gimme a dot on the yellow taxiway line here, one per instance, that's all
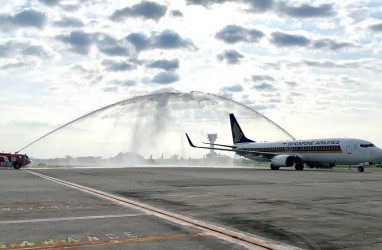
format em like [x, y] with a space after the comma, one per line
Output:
[115, 242]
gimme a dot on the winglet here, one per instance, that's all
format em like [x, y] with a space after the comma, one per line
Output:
[189, 141]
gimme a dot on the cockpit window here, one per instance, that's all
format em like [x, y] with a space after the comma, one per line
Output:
[367, 145]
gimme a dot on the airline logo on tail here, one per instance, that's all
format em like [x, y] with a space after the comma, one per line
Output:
[237, 133]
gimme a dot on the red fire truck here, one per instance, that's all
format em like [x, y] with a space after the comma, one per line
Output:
[14, 160]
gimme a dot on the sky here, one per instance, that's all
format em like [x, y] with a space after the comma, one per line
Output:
[313, 67]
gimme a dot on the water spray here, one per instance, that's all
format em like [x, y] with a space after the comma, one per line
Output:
[83, 117]
[148, 117]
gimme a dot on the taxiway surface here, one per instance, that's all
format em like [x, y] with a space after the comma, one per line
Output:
[313, 209]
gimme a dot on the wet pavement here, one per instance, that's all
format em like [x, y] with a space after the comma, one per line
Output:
[311, 209]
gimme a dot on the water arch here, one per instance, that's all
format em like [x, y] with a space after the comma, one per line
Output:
[154, 125]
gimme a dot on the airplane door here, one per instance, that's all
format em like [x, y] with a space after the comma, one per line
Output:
[349, 148]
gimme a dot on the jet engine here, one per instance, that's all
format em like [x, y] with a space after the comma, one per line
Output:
[283, 161]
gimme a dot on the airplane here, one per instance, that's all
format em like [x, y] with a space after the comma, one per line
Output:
[319, 153]
[14, 160]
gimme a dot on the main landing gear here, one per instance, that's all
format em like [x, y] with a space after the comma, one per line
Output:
[361, 169]
[299, 166]
[274, 168]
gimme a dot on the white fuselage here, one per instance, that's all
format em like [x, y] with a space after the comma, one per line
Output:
[318, 151]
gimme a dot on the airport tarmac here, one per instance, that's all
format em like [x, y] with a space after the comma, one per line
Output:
[311, 209]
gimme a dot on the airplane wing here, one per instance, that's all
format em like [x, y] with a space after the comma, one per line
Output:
[239, 151]
[220, 145]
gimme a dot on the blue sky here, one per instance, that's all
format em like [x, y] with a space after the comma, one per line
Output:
[314, 67]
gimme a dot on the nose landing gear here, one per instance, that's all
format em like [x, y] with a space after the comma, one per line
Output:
[361, 169]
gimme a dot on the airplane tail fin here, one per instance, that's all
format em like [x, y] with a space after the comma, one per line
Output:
[237, 134]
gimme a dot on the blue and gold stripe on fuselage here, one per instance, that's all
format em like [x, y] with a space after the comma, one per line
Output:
[295, 150]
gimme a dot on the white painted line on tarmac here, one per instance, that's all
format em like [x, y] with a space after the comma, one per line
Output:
[69, 218]
[237, 237]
